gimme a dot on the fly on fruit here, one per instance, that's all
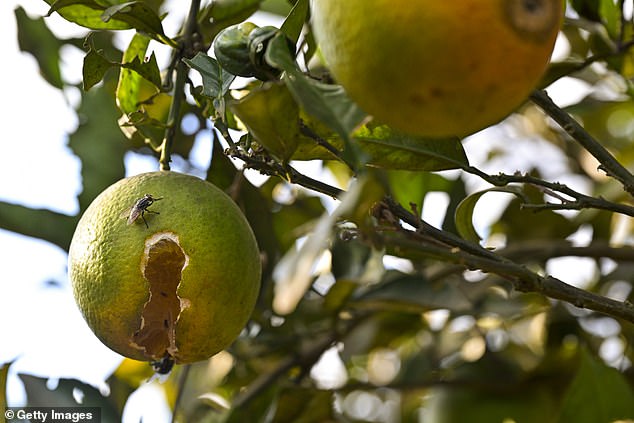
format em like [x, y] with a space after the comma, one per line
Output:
[140, 207]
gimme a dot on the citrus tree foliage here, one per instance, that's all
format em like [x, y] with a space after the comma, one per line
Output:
[462, 328]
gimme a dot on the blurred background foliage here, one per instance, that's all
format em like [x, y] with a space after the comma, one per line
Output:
[355, 321]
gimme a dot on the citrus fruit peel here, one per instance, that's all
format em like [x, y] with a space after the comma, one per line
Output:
[437, 68]
[181, 288]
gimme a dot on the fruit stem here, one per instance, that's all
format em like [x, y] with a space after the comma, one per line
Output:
[173, 118]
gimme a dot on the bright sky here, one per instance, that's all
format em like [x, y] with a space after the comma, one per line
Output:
[40, 325]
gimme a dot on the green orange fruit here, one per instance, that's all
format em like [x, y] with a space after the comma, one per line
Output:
[437, 68]
[177, 277]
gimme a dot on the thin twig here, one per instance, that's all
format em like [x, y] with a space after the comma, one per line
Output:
[580, 201]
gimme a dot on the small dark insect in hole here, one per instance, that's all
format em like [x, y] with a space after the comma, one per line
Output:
[164, 365]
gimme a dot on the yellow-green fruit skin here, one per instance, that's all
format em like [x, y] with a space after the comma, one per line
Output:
[437, 68]
[219, 284]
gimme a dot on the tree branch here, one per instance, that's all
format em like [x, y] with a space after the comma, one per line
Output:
[173, 118]
[424, 241]
[609, 164]
[579, 201]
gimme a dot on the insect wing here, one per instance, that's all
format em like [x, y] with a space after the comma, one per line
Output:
[130, 214]
[135, 212]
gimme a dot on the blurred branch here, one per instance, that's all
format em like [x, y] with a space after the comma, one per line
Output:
[428, 241]
[50, 226]
[609, 163]
[541, 250]
[180, 391]
[185, 49]
[306, 357]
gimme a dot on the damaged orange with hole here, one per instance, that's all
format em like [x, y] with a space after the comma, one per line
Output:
[180, 283]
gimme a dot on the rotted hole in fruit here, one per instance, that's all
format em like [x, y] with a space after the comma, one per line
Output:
[162, 265]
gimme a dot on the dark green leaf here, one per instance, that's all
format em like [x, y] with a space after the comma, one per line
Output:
[272, 117]
[589, 9]
[414, 295]
[598, 393]
[257, 408]
[133, 89]
[39, 395]
[328, 103]
[349, 258]
[98, 140]
[408, 187]
[220, 14]
[234, 10]
[4, 376]
[304, 406]
[139, 16]
[94, 68]
[294, 22]
[464, 211]
[390, 149]
[339, 293]
[216, 81]
[611, 14]
[252, 201]
[134, 66]
[50, 226]
[35, 38]
[86, 13]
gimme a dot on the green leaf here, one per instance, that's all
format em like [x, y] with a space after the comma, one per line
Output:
[216, 80]
[272, 117]
[232, 10]
[134, 66]
[133, 88]
[97, 141]
[39, 395]
[35, 38]
[464, 211]
[4, 376]
[94, 14]
[407, 187]
[412, 294]
[387, 148]
[140, 16]
[611, 14]
[94, 68]
[86, 13]
[302, 405]
[328, 103]
[220, 14]
[598, 393]
[251, 200]
[53, 227]
[294, 22]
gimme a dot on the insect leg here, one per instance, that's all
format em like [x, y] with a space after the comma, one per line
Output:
[143, 217]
